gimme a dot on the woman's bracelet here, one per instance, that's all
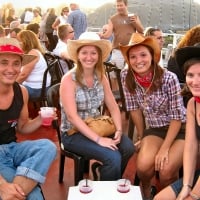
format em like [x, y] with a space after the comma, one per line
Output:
[194, 196]
[187, 185]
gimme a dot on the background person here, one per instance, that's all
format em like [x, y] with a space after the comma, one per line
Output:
[31, 75]
[122, 27]
[152, 94]
[83, 90]
[158, 35]
[77, 19]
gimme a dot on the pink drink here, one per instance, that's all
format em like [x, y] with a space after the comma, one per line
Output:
[85, 189]
[47, 115]
[85, 186]
[123, 188]
[123, 185]
[47, 121]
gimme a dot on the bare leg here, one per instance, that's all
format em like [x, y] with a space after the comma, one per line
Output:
[146, 162]
[165, 194]
[26, 183]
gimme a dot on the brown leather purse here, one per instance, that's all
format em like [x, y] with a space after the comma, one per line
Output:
[102, 125]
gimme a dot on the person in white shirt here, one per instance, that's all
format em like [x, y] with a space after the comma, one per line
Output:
[65, 33]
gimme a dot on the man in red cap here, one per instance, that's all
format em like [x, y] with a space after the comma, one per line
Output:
[23, 165]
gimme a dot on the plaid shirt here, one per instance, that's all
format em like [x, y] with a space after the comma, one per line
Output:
[88, 102]
[159, 107]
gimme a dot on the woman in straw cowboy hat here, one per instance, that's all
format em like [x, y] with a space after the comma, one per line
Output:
[187, 188]
[23, 165]
[153, 93]
[83, 90]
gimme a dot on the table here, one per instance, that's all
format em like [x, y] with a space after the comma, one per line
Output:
[105, 190]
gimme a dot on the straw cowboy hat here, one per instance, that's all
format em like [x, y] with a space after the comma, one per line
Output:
[138, 39]
[88, 38]
[11, 46]
[186, 53]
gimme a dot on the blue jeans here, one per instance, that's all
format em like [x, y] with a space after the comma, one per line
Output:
[177, 185]
[114, 162]
[34, 92]
[30, 159]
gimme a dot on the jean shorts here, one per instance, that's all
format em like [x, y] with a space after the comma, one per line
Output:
[177, 185]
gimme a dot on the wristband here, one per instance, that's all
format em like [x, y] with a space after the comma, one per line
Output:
[187, 185]
[194, 196]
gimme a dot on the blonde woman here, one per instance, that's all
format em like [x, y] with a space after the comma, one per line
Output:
[31, 75]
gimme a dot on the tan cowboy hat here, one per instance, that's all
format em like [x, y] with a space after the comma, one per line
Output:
[11, 46]
[88, 38]
[139, 39]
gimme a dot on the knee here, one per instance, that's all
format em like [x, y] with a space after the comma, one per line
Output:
[48, 147]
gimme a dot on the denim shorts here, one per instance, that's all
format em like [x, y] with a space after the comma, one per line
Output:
[177, 185]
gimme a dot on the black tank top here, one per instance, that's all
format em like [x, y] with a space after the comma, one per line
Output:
[9, 117]
[196, 123]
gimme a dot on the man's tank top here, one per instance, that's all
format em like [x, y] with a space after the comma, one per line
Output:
[9, 117]
[122, 30]
[196, 123]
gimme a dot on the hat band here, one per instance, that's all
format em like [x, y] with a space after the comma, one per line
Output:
[10, 48]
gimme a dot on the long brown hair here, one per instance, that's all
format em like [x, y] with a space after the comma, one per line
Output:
[99, 69]
[157, 77]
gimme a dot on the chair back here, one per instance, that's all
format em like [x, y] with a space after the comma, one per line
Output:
[53, 100]
[55, 68]
[112, 69]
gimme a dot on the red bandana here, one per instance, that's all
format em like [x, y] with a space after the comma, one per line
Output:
[11, 49]
[144, 81]
[197, 99]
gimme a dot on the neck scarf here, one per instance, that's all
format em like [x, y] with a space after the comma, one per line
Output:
[197, 99]
[144, 81]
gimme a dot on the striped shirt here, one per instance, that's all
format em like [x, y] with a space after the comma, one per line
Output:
[159, 107]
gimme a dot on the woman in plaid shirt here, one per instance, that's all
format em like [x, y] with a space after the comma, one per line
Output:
[153, 98]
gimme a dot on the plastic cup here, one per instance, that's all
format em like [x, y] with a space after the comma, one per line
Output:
[47, 115]
[123, 185]
[85, 186]
[131, 14]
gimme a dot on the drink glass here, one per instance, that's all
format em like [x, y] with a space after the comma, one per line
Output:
[123, 185]
[47, 115]
[85, 186]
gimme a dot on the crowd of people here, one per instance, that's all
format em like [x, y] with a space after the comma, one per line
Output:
[165, 113]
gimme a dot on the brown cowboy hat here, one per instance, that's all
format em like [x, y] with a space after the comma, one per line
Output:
[11, 46]
[88, 38]
[139, 39]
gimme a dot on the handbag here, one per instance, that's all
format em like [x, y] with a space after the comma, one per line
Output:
[102, 125]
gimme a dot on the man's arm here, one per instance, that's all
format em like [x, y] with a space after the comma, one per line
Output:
[135, 20]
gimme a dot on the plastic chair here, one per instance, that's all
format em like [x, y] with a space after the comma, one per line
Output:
[81, 165]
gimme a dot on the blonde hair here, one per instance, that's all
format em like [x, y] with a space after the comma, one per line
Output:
[29, 41]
